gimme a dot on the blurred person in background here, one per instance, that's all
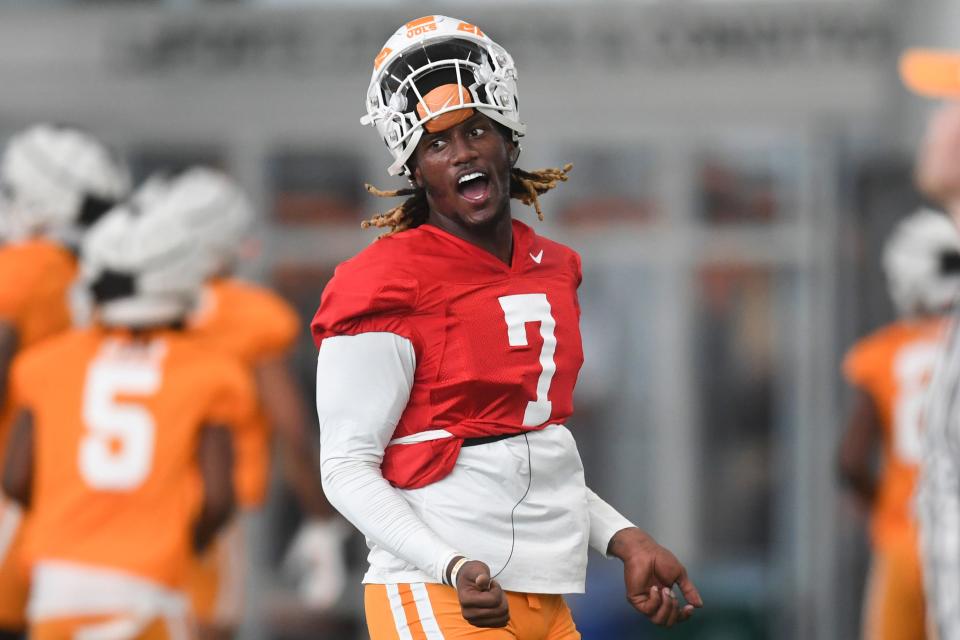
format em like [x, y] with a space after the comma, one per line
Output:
[937, 74]
[122, 449]
[54, 181]
[256, 326]
[890, 370]
[448, 354]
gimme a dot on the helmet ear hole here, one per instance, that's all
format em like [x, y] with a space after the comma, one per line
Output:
[112, 285]
[93, 208]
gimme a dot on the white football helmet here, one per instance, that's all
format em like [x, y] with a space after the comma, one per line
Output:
[922, 263]
[429, 53]
[57, 180]
[141, 266]
[215, 210]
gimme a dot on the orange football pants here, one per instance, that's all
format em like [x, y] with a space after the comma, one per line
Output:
[110, 626]
[431, 611]
[894, 607]
[14, 582]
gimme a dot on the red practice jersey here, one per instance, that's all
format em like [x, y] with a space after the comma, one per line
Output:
[498, 347]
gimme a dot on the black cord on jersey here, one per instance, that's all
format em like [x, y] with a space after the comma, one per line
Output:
[513, 526]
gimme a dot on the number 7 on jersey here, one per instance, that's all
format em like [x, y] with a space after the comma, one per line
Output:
[518, 310]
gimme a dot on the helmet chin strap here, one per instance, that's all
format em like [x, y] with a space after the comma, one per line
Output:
[399, 167]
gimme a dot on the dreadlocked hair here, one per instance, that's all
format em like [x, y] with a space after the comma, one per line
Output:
[525, 186]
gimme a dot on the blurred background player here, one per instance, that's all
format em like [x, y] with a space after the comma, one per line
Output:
[116, 424]
[937, 74]
[54, 181]
[253, 324]
[890, 369]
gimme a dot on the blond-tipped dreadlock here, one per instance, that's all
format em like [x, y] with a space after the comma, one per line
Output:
[525, 186]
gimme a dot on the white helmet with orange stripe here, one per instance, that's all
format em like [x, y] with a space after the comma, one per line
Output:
[922, 263]
[431, 74]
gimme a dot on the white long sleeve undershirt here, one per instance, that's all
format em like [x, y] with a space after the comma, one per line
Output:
[938, 493]
[363, 385]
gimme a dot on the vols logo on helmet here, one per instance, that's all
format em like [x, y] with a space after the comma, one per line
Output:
[421, 26]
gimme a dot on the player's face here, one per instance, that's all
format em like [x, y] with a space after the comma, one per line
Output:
[465, 171]
[938, 165]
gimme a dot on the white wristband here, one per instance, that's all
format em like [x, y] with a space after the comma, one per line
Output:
[456, 570]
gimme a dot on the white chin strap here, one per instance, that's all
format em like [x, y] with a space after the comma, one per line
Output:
[400, 164]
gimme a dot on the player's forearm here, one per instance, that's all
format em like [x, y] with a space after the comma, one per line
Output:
[215, 457]
[861, 484]
[860, 441]
[302, 472]
[605, 522]
[282, 402]
[18, 464]
[363, 385]
[8, 349]
[361, 494]
[208, 524]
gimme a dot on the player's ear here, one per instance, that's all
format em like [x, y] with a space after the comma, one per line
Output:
[416, 177]
[513, 150]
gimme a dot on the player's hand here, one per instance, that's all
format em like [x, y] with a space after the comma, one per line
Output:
[482, 601]
[315, 559]
[650, 571]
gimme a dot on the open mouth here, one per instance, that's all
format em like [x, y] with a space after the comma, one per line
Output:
[474, 186]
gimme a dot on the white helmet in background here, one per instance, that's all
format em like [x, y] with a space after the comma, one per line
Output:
[428, 70]
[141, 266]
[922, 263]
[57, 180]
[215, 210]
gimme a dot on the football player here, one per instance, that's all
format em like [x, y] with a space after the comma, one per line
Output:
[54, 180]
[258, 327]
[937, 74]
[890, 370]
[116, 424]
[448, 354]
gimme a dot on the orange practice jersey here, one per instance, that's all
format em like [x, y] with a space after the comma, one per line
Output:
[116, 427]
[893, 366]
[35, 278]
[255, 325]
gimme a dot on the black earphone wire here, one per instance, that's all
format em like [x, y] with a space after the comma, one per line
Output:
[513, 525]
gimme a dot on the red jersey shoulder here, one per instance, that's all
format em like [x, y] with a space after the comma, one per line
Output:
[380, 282]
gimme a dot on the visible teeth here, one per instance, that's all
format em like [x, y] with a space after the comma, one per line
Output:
[471, 176]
